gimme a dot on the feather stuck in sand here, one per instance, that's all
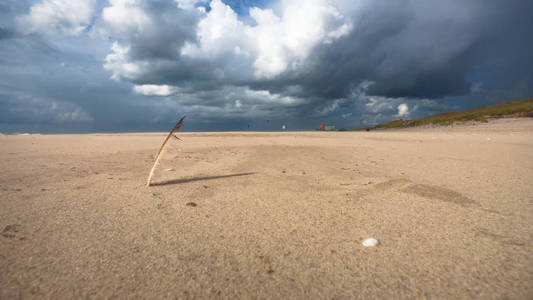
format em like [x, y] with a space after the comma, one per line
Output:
[171, 134]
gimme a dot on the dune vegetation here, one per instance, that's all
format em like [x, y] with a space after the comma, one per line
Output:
[519, 108]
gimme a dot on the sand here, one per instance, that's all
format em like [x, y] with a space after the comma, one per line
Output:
[270, 215]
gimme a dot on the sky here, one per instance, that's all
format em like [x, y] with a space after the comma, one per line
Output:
[71, 66]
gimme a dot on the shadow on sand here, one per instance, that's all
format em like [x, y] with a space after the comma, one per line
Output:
[192, 179]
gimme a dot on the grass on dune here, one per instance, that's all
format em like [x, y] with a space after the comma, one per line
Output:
[518, 108]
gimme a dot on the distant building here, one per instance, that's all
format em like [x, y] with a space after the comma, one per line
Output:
[323, 127]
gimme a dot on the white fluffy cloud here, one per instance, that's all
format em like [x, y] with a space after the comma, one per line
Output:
[188, 4]
[277, 99]
[117, 61]
[50, 17]
[125, 16]
[403, 110]
[276, 43]
[154, 90]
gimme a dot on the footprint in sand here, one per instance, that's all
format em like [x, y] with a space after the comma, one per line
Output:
[12, 231]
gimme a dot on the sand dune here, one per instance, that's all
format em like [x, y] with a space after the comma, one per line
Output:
[269, 215]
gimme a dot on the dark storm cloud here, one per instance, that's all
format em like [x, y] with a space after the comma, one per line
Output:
[171, 27]
[411, 55]
[409, 49]
[6, 33]
[412, 52]
[228, 71]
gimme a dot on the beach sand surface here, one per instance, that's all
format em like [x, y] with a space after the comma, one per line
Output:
[270, 215]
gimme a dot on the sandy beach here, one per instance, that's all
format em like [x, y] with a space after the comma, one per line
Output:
[270, 215]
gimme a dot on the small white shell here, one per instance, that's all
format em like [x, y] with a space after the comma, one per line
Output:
[371, 242]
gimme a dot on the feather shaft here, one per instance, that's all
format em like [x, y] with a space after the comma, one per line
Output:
[158, 156]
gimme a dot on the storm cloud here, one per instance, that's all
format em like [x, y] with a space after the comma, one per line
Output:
[138, 64]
